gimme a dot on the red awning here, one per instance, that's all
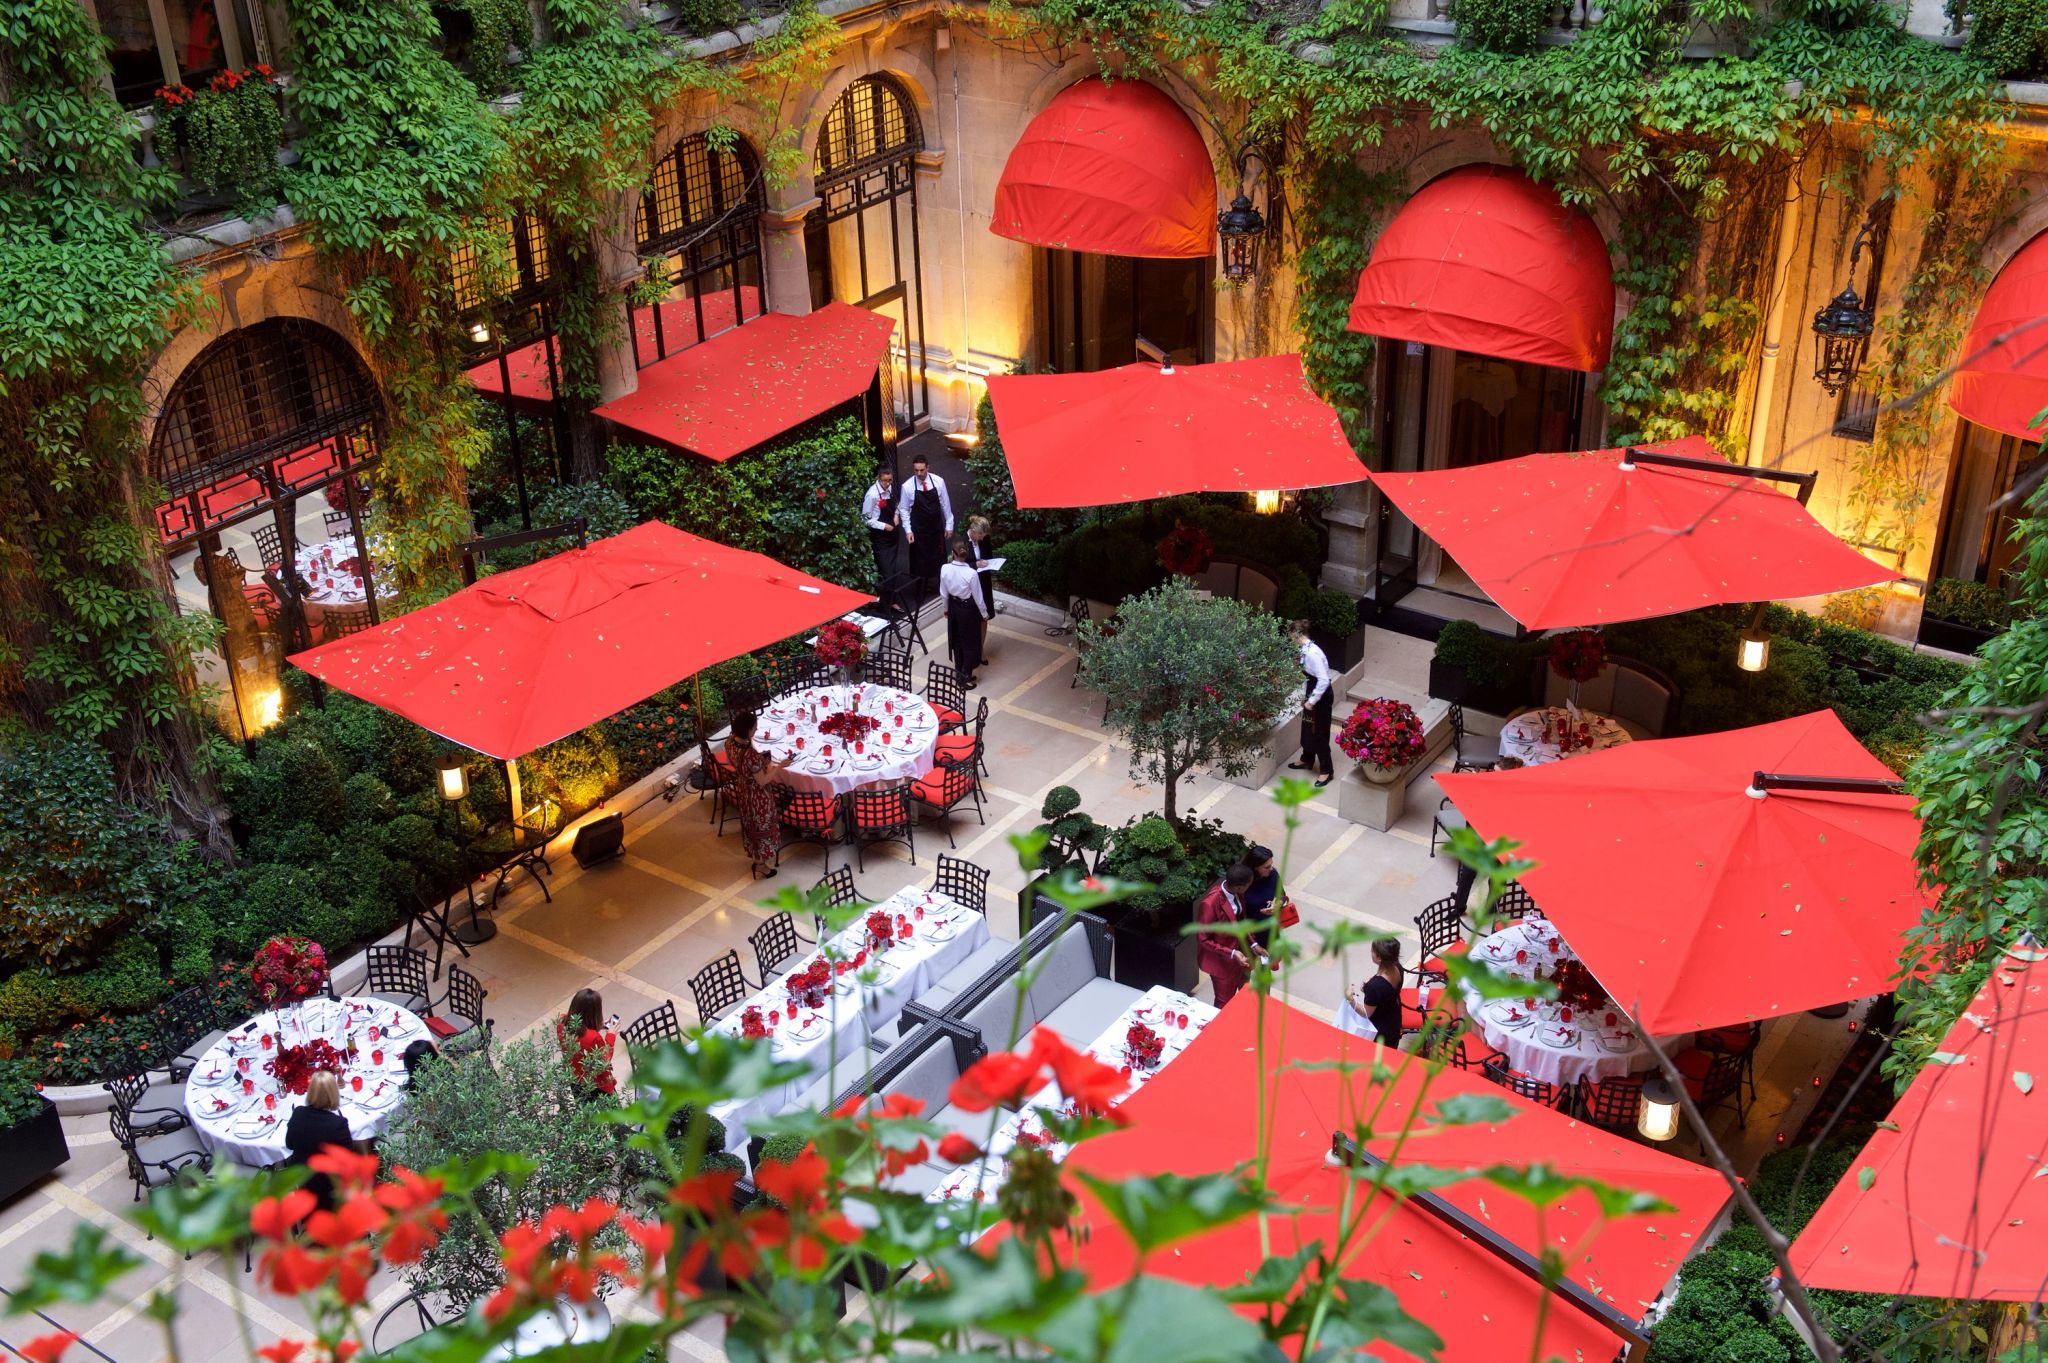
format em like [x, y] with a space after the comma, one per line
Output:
[531, 387]
[1484, 1309]
[734, 391]
[1140, 431]
[1592, 538]
[1116, 169]
[1696, 903]
[1485, 259]
[521, 658]
[2007, 389]
[1954, 1203]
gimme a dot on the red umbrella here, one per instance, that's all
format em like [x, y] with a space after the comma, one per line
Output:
[522, 658]
[1145, 430]
[1595, 537]
[1697, 899]
[1949, 1200]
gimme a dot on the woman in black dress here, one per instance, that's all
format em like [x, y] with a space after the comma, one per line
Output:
[1378, 1000]
[965, 612]
[980, 549]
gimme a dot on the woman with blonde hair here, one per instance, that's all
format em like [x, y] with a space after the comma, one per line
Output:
[981, 551]
[315, 1125]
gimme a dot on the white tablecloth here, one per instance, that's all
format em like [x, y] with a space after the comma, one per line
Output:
[241, 1134]
[328, 582]
[1160, 1009]
[1523, 737]
[1594, 1043]
[861, 1006]
[892, 752]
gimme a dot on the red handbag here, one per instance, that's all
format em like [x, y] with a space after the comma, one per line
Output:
[1289, 915]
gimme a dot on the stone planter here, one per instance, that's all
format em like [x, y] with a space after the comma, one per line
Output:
[1936, 632]
[1375, 803]
[30, 1150]
[1447, 681]
[1344, 653]
[1372, 773]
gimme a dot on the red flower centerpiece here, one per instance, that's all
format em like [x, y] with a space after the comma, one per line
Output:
[809, 986]
[752, 1025]
[842, 645]
[1143, 1047]
[1576, 987]
[287, 969]
[1187, 550]
[295, 1066]
[848, 725]
[881, 931]
[1382, 736]
[1578, 655]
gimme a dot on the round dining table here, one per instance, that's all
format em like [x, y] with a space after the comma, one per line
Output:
[1547, 1039]
[796, 731]
[239, 1105]
[1538, 736]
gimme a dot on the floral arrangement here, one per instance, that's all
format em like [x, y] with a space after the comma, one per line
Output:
[229, 132]
[841, 644]
[295, 1066]
[809, 986]
[1382, 732]
[881, 931]
[286, 969]
[1143, 1046]
[752, 1025]
[1187, 549]
[1578, 655]
[849, 725]
[1576, 987]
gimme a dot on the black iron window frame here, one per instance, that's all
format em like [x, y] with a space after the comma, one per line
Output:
[700, 222]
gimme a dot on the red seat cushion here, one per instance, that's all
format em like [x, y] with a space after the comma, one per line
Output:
[1726, 1038]
[721, 760]
[442, 1027]
[1693, 1062]
[955, 745]
[948, 717]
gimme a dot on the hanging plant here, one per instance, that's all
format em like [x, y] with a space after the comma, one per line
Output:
[228, 133]
[1186, 550]
[1579, 655]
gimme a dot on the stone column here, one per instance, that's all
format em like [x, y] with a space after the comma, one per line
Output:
[788, 266]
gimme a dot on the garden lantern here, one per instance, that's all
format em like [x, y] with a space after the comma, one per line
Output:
[1266, 503]
[1842, 329]
[454, 779]
[1241, 228]
[1657, 1119]
[480, 332]
[1753, 653]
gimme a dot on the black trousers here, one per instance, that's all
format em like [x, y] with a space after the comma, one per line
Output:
[1315, 730]
[963, 635]
[885, 545]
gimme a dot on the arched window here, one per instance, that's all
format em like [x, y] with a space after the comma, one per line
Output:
[700, 224]
[508, 264]
[862, 242]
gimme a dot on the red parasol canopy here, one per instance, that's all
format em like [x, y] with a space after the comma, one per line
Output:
[1114, 168]
[1589, 539]
[1955, 1203]
[1467, 1292]
[1141, 431]
[750, 385]
[2007, 388]
[1485, 259]
[1697, 903]
[522, 658]
[677, 330]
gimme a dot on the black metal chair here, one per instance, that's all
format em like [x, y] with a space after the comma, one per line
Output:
[1521, 1085]
[1442, 822]
[146, 1116]
[969, 739]
[1741, 1039]
[156, 1161]
[945, 694]
[949, 786]
[843, 889]
[1714, 1078]
[901, 600]
[1441, 926]
[879, 816]
[806, 816]
[1612, 1103]
[657, 1024]
[338, 523]
[1459, 762]
[889, 669]
[776, 941]
[714, 775]
[963, 882]
[1514, 904]
[397, 975]
[717, 987]
[185, 1020]
[436, 922]
[269, 546]
[338, 622]
[744, 698]
[464, 1000]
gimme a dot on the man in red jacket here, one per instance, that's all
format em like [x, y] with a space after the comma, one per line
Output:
[1226, 960]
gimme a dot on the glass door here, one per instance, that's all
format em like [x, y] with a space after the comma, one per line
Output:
[1404, 380]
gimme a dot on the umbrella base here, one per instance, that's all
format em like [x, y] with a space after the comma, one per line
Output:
[475, 932]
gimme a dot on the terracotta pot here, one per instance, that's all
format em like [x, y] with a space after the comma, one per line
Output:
[1377, 775]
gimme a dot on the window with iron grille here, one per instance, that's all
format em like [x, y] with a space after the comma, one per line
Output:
[503, 280]
[1856, 413]
[870, 124]
[700, 230]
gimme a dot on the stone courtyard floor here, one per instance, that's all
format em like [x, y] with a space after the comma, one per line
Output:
[639, 927]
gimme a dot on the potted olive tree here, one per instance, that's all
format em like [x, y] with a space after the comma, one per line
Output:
[31, 1138]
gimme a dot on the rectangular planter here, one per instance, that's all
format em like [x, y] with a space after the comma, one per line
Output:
[30, 1150]
[1936, 632]
[1146, 956]
[1447, 681]
[1345, 653]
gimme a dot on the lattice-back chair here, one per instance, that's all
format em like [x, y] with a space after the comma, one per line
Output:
[1442, 822]
[776, 941]
[948, 786]
[844, 892]
[269, 546]
[945, 694]
[156, 1161]
[398, 975]
[185, 1020]
[1612, 1103]
[719, 986]
[340, 525]
[888, 668]
[1714, 1078]
[970, 739]
[463, 1026]
[338, 622]
[1514, 905]
[877, 816]
[1441, 926]
[744, 698]
[806, 816]
[715, 774]
[658, 1024]
[149, 1116]
[963, 882]
[1521, 1085]
[1460, 762]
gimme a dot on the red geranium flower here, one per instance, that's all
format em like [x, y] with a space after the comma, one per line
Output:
[999, 1078]
[956, 1148]
[47, 1348]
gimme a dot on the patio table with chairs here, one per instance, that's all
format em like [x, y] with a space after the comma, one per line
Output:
[900, 731]
[1558, 731]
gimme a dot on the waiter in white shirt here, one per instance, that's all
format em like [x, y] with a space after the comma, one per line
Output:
[1316, 702]
[926, 513]
[878, 510]
[960, 590]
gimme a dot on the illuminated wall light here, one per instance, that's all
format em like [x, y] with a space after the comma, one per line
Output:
[1266, 503]
[269, 708]
[480, 332]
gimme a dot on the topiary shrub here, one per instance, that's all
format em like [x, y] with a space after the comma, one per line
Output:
[1109, 563]
[1035, 568]
[1072, 834]
[782, 1148]
[714, 1133]
[1973, 605]
[1180, 861]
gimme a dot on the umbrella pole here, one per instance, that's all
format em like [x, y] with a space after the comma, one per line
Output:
[512, 782]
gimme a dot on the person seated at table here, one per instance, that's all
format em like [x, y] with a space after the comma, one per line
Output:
[315, 1125]
[417, 1055]
[588, 1042]
[966, 610]
[1378, 999]
[760, 823]
[1225, 959]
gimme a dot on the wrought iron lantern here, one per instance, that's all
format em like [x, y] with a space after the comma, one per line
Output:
[1241, 228]
[1842, 329]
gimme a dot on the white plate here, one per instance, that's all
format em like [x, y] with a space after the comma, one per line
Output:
[807, 1031]
[822, 766]
[207, 1079]
[1503, 1012]
[253, 1126]
[235, 1103]
[1559, 1038]
[943, 931]
[884, 972]
[370, 1101]
[867, 764]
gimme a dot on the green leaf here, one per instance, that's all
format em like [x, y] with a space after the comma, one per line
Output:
[1002, 1293]
[1363, 1312]
[1471, 1109]
[719, 1066]
[1865, 1177]
[1542, 1186]
[1274, 1280]
[1155, 1321]
[1158, 1209]
[1465, 972]
[86, 1268]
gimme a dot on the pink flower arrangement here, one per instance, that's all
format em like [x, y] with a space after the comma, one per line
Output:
[841, 644]
[1385, 733]
[286, 969]
[808, 987]
[1143, 1046]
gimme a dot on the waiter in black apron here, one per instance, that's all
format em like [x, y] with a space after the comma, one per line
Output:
[929, 527]
[1316, 702]
[878, 510]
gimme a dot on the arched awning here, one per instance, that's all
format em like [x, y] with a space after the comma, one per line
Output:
[2008, 388]
[1115, 169]
[1485, 259]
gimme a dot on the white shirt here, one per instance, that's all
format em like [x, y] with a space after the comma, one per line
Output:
[1317, 667]
[959, 579]
[871, 506]
[930, 482]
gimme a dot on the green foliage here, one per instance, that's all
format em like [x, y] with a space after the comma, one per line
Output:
[603, 510]
[700, 18]
[1340, 210]
[1178, 860]
[1328, 612]
[495, 27]
[2009, 36]
[1112, 562]
[230, 133]
[1973, 605]
[1035, 568]
[1073, 838]
[21, 1097]
[1505, 26]
[1487, 660]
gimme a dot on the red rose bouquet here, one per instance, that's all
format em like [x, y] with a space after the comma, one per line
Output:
[881, 931]
[1578, 655]
[287, 969]
[1385, 733]
[1143, 1046]
[752, 1025]
[848, 725]
[841, 644]
[1576, 987]
[1186, 550]
[295, 1066]
[809, 986]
